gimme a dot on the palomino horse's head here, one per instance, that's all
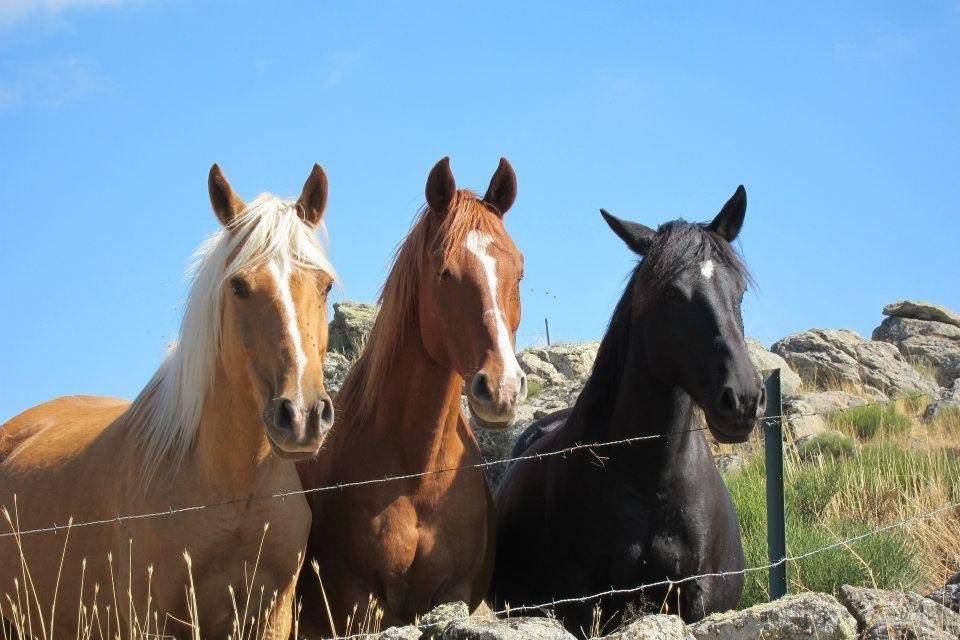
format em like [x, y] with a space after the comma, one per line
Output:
[470, 291]
[687, 291]
[273, 332]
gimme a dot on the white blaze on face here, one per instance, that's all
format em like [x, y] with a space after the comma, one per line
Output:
[281, 276]
[477, 243]
[706, 269]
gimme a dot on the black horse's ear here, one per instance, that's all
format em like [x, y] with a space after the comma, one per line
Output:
[728, 222]
[441, 187]
[502, 191]
[637, 236]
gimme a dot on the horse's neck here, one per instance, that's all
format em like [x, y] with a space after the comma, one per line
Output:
[418, 407]
[643, 406]
[231, 451]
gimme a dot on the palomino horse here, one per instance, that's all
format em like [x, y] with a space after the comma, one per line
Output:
[656, 509]
[449, 311]
[234, 403]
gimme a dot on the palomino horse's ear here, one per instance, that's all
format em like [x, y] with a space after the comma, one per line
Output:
[226, 203]
[637, 236]
[441, 187]
[728, 222]
[503, 188]
[313, 199]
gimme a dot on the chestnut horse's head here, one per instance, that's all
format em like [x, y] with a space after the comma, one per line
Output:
[273, 298]
[470, 291]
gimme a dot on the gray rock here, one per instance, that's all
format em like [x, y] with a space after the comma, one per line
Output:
[655, 627]
[510, 629]
[335, 369]
[763, 359]
[933, 344]
[729, 462]
[904, 630]
[831, 358]
[808, 411]
[948, 596]
[922, 311]
[806, 616]
[560, 364]
[434, 622]
[949, 399]
[401, 633]
[901, 610]
[350, 327]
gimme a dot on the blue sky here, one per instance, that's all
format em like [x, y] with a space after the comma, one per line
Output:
[843, 122]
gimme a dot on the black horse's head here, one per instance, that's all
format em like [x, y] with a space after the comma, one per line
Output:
[687, 293]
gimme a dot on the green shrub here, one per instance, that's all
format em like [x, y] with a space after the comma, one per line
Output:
[831, 444]
[868, 422]
[837, 498]
[534, 387]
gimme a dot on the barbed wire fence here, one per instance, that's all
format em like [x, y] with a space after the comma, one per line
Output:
[775, 563]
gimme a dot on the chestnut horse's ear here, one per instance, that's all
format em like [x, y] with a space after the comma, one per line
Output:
[226, 204]
[503, 188]
[637, 236]
[313, 199]
[728, 222]
[441, 187]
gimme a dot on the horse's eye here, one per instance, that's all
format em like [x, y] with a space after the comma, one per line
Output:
[239, 288]
[445, 274]
[327, 291]
[672, 294]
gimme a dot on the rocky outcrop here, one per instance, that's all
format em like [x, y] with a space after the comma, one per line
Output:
[509, 629]
[880, 613]
[807, 412]
[335, 368]
[764, 359]
[827, 359]
[922, 311]
[807, 616]
[351, 324]
[654, 627]
[935, 345]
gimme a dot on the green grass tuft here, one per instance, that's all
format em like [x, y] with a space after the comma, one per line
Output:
[869, 422]
[534, 387]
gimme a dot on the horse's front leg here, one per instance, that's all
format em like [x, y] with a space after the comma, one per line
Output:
[281, 617]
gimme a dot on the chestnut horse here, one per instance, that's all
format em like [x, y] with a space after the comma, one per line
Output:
[655, 510]
[236, 401]
[449, 312]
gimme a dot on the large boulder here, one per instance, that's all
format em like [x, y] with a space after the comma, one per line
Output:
[351, 324]
[806, 412]
[933, 344]
[509, 629]
[654, 627]
[806, 616]
[903, 613]
[828, 359]
[918, 310]
[559, 364]
[436, 620]
[763, 359]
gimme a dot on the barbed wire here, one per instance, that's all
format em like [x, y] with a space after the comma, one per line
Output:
[412, 476]
[671, 582]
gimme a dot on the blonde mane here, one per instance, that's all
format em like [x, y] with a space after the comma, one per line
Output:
[166, 414]
[399, 295]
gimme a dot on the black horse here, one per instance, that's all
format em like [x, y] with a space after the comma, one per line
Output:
[651, 510]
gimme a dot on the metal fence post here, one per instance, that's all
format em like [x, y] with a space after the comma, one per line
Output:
[776, 515]
[546, 325]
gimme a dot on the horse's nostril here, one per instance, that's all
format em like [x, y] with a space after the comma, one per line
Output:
[522, 392]
[480, 387]
[762, 402]
[728, 401]
[326, 412]
[285, 414]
